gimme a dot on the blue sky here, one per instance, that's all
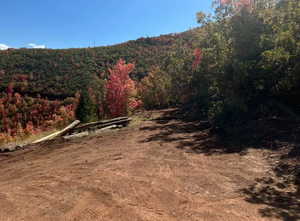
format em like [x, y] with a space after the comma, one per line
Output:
[80, 23]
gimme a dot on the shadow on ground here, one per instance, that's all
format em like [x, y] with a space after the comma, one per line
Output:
[197, 136]
[280, 191]
[192, 136]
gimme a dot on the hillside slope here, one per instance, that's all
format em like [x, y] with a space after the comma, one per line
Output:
[60, 73]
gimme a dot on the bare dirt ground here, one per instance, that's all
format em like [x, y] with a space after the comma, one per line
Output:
[152, 170]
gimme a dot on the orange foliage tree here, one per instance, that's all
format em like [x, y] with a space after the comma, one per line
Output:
[155, 89]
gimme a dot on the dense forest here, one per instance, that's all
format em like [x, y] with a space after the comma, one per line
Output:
[249, 66]
[241, 65]
[57, 74]
[245, 68]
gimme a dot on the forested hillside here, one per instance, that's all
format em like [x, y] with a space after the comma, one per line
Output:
[61, 73]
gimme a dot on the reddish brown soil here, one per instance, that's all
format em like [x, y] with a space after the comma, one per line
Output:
[148, 171]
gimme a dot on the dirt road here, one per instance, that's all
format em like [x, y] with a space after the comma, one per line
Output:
[149, 171]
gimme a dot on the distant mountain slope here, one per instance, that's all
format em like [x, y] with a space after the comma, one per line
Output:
[60, 73]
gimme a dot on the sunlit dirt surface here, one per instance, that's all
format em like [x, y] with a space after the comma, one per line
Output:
[153, 170]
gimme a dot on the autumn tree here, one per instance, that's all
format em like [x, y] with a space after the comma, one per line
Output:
[155, 89]
[120, 88]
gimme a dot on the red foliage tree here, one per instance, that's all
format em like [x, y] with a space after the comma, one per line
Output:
[119, 88]
[10, 90]
[197, 58]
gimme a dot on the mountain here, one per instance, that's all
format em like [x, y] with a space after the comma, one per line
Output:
[60, 73]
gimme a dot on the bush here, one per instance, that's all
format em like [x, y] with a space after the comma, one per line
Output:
[155, 89]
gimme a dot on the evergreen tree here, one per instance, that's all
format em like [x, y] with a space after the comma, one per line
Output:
[86, 110]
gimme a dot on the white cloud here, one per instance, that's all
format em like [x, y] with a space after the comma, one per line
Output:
[32, 45]
[3, 47]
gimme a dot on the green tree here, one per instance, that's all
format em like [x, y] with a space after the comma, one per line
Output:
[86, 110]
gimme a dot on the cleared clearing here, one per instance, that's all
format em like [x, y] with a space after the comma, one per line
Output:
[149, 171]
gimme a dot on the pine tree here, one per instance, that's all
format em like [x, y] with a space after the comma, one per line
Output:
[86, 110]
